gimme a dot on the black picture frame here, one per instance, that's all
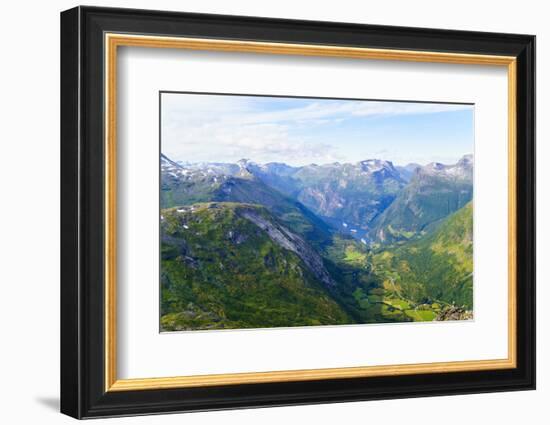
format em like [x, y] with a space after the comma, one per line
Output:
[83, 392]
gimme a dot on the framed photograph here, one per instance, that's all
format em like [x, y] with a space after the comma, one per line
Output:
[261, 212]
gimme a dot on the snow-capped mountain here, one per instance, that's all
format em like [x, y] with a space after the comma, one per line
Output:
[357, 198]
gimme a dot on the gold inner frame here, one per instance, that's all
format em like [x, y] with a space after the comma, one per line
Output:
[113, 41]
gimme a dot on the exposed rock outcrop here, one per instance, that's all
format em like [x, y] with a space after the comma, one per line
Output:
[454, 313]
[292, 242]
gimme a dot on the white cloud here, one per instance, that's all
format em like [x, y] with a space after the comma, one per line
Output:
[227, 128]
[403, 108]
[261, 142]
[331, 110]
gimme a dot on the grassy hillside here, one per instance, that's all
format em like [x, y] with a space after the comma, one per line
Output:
[175, 190]
[435, 270]
[220, 270]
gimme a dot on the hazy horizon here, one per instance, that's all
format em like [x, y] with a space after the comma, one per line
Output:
[302, 131]
[320, 164]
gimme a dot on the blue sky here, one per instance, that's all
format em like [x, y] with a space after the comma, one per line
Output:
[222, 128]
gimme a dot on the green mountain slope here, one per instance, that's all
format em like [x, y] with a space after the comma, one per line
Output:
[292, 213]
[244, 188]
[434, 192]
[435, 269]
[229, 265]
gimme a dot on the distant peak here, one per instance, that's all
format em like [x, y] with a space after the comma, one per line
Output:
[165, 158]
[436, 166]
[168, 162]
[467, 159]
[462, 169]
[373, 165]
[244, 162]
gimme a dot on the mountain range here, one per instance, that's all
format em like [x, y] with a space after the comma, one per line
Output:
[258, 245]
